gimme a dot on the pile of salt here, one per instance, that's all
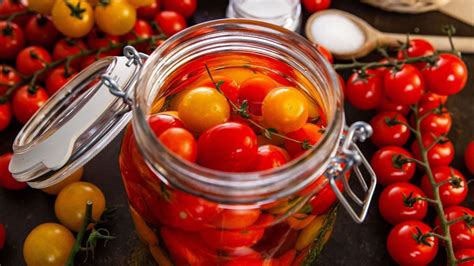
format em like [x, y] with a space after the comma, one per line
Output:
[337, 33]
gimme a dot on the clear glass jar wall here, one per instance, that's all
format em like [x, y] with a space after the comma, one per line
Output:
[191, 215]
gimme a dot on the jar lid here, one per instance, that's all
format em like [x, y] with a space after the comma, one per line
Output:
[77, 122]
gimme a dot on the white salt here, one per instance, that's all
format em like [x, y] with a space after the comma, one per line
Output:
[266, 8]
[337, 33]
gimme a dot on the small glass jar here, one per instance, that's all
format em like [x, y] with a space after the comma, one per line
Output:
[284, 13]
[185, 213]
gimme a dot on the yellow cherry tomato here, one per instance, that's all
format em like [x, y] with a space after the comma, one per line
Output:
[73, 18]
[176, 100]
[48, 244]
[145, 233]
[202, 108]
[115, 17]
[74, 177]
[41, 6]
[299, 221]
[139, 3]
[285, 109]
[70, 205]
[310, 232]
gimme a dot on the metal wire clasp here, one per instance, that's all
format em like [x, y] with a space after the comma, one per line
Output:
[350, 157]
[135, 58]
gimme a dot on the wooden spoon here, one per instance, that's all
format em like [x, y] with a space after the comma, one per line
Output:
[375, 38]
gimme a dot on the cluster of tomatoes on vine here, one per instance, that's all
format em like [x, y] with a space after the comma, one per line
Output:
[45, 44]
[419, 80]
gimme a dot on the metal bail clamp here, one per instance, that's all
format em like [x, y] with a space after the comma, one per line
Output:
[134, 57]
[350, 157]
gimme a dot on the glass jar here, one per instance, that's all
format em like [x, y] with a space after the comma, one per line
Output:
[185, 213]
[284, 13]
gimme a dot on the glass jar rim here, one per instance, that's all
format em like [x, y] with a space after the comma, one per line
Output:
[192, 175]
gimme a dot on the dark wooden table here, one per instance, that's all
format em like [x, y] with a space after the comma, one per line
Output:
[351, 244]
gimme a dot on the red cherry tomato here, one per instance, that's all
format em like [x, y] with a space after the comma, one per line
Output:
[170, 22]
[438, 122]
[180, 142]
[161, 122]
[404, 86]
[2, 236]
[12, 39]
[469, 157]
[310, 133]
[441, 154]
[41, 31]
[270, 156]
[342, 83]
[461, 232]
[228, 147]
[407, 246]
[387, 105]
[245, 261]
[149, 12]
[57, 78]
[5, 115]
[463, 254]
[388, 131]
[398, 203]
[67, 47]
[228, 86]
[381, 71]
[184, 7]
[325, 52]
[431, 100]
[141, 30]
[390, 164]
[27, 101]
[230, 239]
[324, 199]
[416, 48]
[97, 39]
[89, 60]
[448, 76]
[452, 193]
[199, 209]
[186, 248]
[236, 219]
[32, 59]
[364, 91]
[8, 76]
[254, 90]
[8, 7]
[6, 179]
[316, 5]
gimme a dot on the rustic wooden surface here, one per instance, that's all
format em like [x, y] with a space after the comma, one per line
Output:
[351, 244]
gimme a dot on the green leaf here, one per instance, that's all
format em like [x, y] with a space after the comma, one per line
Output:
[243, 110]
[305, 145]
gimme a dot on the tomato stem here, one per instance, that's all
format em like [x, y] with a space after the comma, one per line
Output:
[12, 16]
[465, 259]
[465, 217]
[444, 224]
[31, 79]
[392, 63]
[80, 235]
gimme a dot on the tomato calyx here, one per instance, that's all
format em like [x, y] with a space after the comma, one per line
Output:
[421, 238]
[306, 209]
[410, 200]
[393, 121]
[41, 20]
[104, 3]
[8, 30]
[399, 160]
[76, 10]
